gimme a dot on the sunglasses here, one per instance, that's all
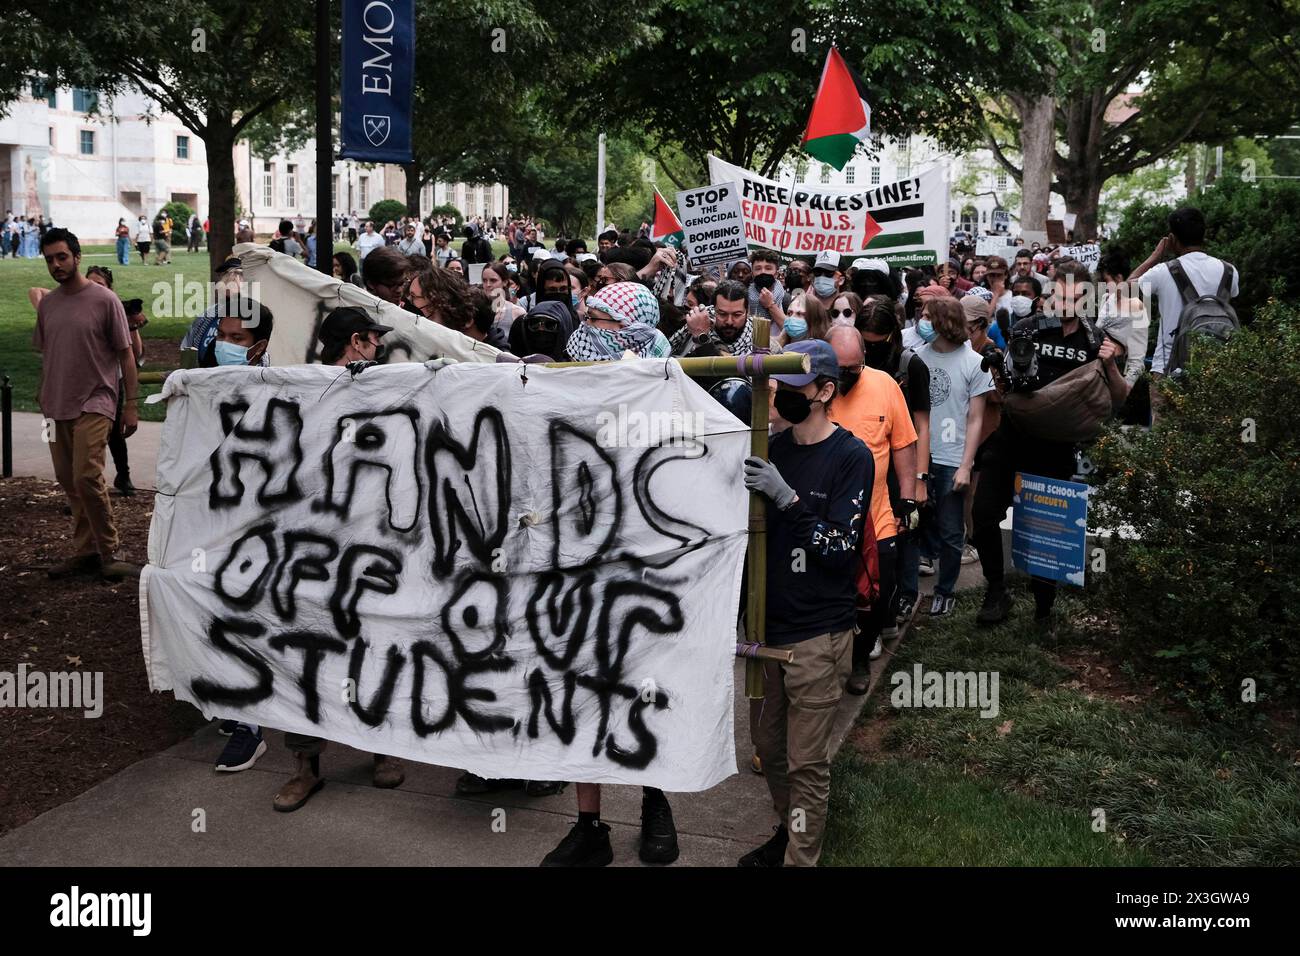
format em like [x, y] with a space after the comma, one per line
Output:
[543, 324]
[841, 313]
[825, 273]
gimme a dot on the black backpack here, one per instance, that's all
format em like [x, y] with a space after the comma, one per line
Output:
[900, 374]
[1204, 317]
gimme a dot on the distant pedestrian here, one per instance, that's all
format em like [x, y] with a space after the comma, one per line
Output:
[123, 237]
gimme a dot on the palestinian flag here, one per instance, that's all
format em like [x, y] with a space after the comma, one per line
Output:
[840, 116]
[666, 226]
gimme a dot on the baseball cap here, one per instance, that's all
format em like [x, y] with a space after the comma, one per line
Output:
[340, 324]
[871, 265]
[827, 259]
[540, 254]
[234, 262]
[820, 355]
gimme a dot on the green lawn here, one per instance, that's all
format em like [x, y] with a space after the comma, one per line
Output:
[1025, 786]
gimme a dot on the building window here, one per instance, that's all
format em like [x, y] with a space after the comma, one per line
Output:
[44, 90]
[87, 144]
[291, 186]
[1001, 179]
[876, 142]
[268, 185]
[984, 215]
[182, 147]
[875, 175]
[800, 170]
[84, 101]
[826, 174]
[51, 135]
[334, 191]
[850, 174]
[363, 194]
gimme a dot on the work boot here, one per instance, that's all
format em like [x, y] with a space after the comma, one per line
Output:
[771, 853]
[544, 788]
[81, 564]
[587, 844]
[110, 569]
[658, 831]
[305, 781]
[995, 607]
[123, 484]
[860, 679]
[388, 772]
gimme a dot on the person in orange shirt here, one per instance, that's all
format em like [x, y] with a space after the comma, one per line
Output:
[872, 407]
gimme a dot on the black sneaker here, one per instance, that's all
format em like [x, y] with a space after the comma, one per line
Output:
[123, 484]
[771, 853]
[906, 606]
[544, 788]
[586, 845]
[242, 750]
[658, 831]
[227, 727]
[995, 607]
[472, 783]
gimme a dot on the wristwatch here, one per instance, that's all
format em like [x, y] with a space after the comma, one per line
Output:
[922, 476]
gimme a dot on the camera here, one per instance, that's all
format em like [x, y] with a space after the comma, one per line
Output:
[1021, 361]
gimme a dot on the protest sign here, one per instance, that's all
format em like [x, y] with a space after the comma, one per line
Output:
[904, 223]
[300, 297]
[1088, 254]
[1049, 527]
[712, 223]
[995, 246]
[527, 573]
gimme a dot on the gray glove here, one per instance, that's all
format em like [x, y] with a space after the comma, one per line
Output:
[762, 476]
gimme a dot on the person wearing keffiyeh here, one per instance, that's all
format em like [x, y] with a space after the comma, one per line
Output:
[725, 326]
[621, 317]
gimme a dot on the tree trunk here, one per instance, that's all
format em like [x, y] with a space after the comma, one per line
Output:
[1084, 199]
[1037, 147]
[219, 141]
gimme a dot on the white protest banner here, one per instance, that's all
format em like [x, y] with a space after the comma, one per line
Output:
[528, 573]
[1088, 254]
[994, 246]
[905, 223]
[300, 297]
[712, 224]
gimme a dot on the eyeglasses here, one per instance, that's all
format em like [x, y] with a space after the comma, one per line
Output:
[841, 313]
[543, 324]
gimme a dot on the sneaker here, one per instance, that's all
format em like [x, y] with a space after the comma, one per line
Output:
[942, 606]
[81, 564]
[544, 788]
[658, 831]
[925, 567]
[771, 853]
[242, 750]
[906, 606]
[969, 555]
[123, 484]
[878, 649]
[586, 845]
[227, 727]
[860, 679]
[995, 607]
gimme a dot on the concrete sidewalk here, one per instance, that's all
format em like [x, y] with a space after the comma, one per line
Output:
[32, 454]
[144, 815]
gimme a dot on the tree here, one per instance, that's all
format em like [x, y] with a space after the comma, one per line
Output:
[1131, 83]
[216, 66]
[737, 77]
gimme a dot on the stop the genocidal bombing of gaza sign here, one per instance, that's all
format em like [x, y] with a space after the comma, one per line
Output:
[905, 222]
[529, 574]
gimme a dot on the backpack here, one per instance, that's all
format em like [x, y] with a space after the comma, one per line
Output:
[1203, 317]
[900, 374]
[868, 577]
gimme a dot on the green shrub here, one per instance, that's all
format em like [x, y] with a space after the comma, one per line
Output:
[180, 214]
[1207, 589]
[1255, 226]
[385, 210]
[447, 209]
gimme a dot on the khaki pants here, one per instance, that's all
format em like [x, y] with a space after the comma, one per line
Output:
[794, 737]
[78, 454]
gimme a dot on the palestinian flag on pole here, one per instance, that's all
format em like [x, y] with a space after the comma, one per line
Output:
[840, 116]
[666, 226]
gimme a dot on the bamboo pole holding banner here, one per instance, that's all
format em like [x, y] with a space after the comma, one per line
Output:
[756, 555]
[711, 366]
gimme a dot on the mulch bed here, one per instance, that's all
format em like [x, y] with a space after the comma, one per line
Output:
[50, 756]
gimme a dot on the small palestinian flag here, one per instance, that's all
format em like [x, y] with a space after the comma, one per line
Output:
[840, 116]
[666, 226]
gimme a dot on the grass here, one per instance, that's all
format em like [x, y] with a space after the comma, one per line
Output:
[1176, 791]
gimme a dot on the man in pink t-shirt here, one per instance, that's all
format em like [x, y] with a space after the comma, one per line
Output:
[85, 344]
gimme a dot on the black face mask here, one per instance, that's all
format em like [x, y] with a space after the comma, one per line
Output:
[849, 378]
[794, 280]
[794, 407]
[764, 282]
[877, 353]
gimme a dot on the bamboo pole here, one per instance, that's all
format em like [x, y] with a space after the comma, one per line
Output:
[756, 603]
[787, 363]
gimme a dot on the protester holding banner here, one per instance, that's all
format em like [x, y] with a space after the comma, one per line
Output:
[817, 485]
[384, 273]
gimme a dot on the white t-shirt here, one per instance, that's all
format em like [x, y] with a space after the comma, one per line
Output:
[955, 378]
[1205, 273]
[142, 233]
[368, 241]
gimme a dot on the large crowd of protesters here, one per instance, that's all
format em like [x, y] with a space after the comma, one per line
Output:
[896, 452]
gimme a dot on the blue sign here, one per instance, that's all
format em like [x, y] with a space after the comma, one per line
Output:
[1049, 527]
[378, 76]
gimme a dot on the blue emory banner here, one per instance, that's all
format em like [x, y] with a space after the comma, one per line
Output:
[378, 75]
[1049, 527]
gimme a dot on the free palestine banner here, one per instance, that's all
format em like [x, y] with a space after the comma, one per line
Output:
[527, 573]
[905, 222]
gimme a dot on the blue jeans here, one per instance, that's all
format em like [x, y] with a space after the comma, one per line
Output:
[123, 251]
[950, 525]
